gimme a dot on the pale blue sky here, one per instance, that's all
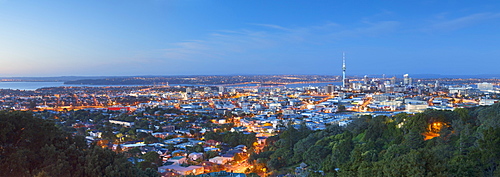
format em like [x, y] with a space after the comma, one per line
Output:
[191, 37]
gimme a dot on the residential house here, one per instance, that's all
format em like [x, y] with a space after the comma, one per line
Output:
[178, 160]
[220, 160]
[189, 170]
[195, 156]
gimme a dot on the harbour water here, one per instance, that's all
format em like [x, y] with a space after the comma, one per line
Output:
[37, 85]
[28, 85]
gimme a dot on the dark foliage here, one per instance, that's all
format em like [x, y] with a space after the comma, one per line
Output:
[35, 147]
[468, 144]
[232, 138]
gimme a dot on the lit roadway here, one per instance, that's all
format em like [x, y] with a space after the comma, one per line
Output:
[238, 167]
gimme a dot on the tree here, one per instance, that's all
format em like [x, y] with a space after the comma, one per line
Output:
[197, 148]
[414, 140]
[142, 135]
[150, 139]
[463, 113]
[151, 160]
[108, 135]
[134, 152]
[490, 151]
[315, 155]
[35, 147]
[210, 154]
[342, 148]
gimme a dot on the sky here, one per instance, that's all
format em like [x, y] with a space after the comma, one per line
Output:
[226, 37]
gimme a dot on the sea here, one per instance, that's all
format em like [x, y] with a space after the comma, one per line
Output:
[37, 85]
[29, 85]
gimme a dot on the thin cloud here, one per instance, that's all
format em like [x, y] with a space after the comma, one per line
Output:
[220, 44]
[465, 21]
[327, 26]
[270, 26]
[224, 45]
[373, 29]
[184, 50]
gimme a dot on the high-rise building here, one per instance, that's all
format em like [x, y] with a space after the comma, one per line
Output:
[484, 86]
[329, 88]
[366, 80]
[221, 89]
[406, 80]
[393, 80]
[343, 71]
[189, 90]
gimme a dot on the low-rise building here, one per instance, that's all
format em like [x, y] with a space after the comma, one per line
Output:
[182, 170]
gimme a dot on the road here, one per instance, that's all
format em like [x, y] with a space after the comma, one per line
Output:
[238, 167]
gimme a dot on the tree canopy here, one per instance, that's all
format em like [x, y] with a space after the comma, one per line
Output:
[463, 142]
[32, 146]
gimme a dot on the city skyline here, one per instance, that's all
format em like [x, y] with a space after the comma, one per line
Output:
[114, 38]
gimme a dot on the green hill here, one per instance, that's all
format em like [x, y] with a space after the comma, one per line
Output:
[35, 147]
[464, 142]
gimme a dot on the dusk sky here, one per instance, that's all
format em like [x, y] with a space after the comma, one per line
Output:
[222, 37]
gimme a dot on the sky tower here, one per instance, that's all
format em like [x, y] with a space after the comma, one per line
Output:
[343, 69]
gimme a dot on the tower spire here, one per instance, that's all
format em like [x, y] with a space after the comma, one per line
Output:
[343, 69]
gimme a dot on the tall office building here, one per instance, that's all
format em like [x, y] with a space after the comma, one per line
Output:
[329, 88]
[393, 80]
[484, 86]
[406, 80]
[344, 81]
[221, 89]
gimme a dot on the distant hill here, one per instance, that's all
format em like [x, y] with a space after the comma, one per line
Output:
[204, 80]
[436, 76]
[218, 79]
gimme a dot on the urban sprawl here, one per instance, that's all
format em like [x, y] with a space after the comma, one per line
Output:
[178, 122]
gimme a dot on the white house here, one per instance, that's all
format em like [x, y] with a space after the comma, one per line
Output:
[220, 160]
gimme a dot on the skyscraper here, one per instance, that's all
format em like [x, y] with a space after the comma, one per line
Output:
[406, 80]
[329, 88]
[343, 70]
[393, 80]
